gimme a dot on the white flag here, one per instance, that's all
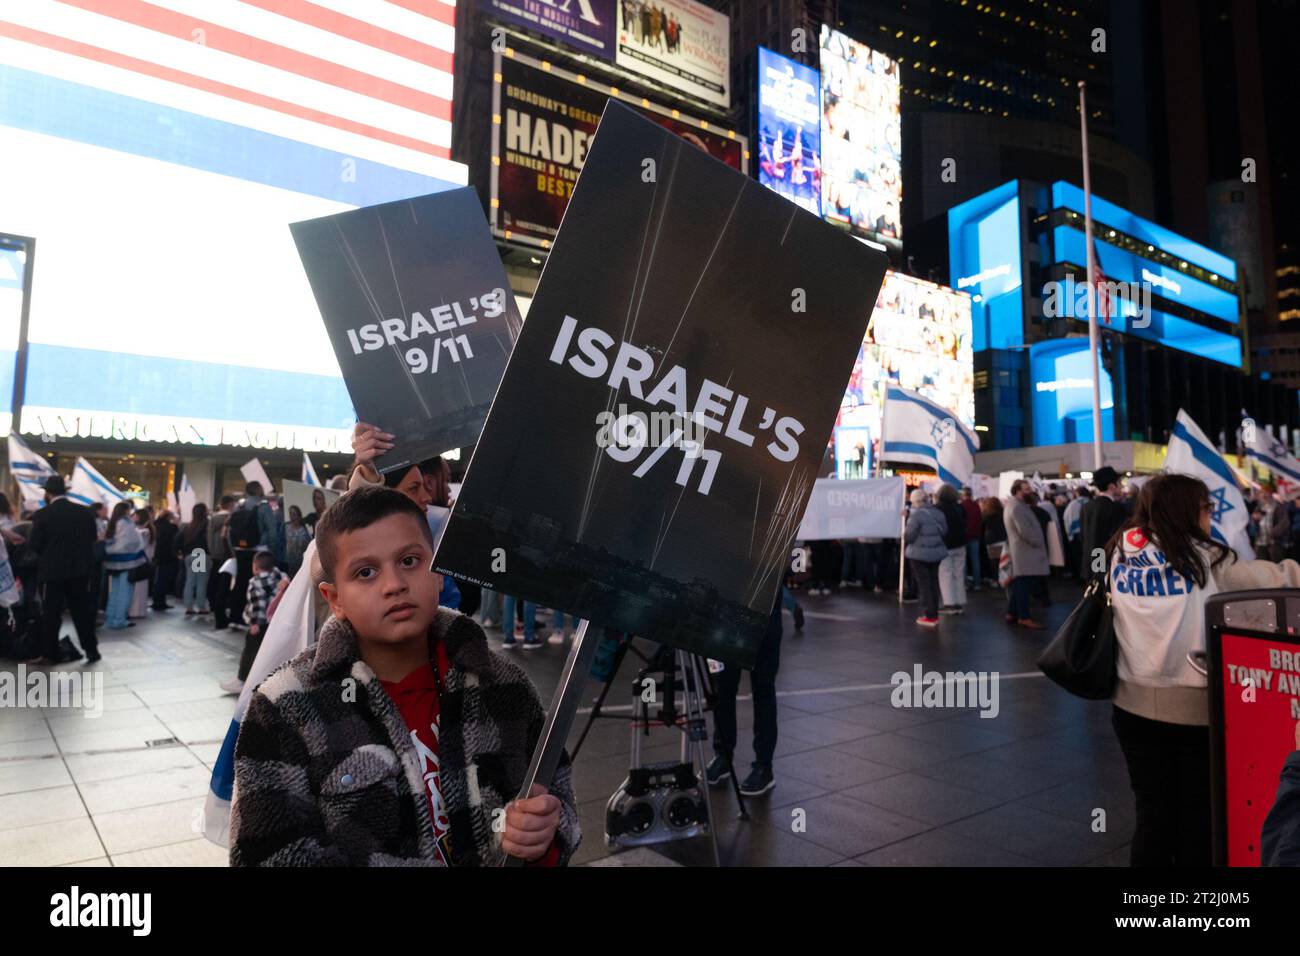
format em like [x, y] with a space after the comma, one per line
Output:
[309, 472]
[252, 470]
[1190, 453]
[186, 499]
[89, 486]
[292, 630]
[915, 429]
[30, 471]
[1273, 455]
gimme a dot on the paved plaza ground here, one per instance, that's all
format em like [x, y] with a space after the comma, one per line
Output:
[859, 782]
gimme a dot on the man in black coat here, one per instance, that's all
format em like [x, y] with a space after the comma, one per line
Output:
[1100, 518]
[63, 537]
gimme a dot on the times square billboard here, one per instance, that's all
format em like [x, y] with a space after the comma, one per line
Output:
[168, 302]
[789, 129]
[919, 338]
[861, 140]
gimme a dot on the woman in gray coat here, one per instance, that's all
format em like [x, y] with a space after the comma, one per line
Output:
[926, 527]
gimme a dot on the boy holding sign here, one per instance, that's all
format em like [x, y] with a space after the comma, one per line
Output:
[399, 738]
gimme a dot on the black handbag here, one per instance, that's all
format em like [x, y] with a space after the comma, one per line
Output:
[1081, 655]
[143, 572]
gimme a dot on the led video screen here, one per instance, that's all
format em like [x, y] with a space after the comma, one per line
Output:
[862, 175]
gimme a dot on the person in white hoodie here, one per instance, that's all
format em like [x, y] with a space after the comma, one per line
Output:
[1163, 565]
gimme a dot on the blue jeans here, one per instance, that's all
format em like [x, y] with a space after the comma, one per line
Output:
[787, 599]
[508, 620]
[559, 617]
[120, 592]
[195, 592]
[973, 548]
[489, 608]
[1018, 596]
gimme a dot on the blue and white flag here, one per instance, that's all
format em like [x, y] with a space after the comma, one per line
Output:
[1190, 453]
[89, 486]
[1273, 455]
[309, 472]
[30, 471]
[915, 429]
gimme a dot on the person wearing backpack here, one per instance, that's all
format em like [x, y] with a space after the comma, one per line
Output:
[250, 528]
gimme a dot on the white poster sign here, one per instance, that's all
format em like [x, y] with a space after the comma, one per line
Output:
[868, 508]
[252, 470]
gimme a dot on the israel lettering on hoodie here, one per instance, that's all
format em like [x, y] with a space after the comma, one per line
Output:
[1159, 613]
[1149, 574]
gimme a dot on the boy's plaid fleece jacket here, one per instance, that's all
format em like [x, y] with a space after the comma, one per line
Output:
[326, 774]
[261, 592]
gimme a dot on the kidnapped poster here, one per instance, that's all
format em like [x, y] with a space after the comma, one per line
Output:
[419, 313]
[659, 427]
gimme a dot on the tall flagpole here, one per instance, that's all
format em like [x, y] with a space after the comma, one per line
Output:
[1092, 284]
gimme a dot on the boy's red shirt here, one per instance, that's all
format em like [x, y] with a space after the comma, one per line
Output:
[417, 698]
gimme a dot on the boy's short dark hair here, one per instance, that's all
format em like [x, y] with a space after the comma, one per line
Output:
[264, 561]
[228, 500]
[356, 510]
[253, 488]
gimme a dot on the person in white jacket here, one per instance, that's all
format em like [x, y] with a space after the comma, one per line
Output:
[1164, 563]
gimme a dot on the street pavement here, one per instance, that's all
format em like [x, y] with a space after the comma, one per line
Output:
[859, 781]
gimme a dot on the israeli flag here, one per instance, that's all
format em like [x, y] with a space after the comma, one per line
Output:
[1190, 453]
[915, 429]
[308, 472]
[30, 471]
[89, 486]
[1273, 455]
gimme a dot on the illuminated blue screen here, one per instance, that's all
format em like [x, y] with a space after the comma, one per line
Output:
[1061, 371]
[984, 260]
[1119, 265]
[1066, 196]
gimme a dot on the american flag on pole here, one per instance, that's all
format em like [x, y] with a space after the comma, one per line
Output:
[367, 79]
[1105, 305]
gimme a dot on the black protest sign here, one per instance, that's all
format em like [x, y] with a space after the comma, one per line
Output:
[420, 315]
[658, 430]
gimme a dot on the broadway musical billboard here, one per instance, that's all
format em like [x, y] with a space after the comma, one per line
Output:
[547, 120]
[660, 425]
[585, 25]
[680, 43]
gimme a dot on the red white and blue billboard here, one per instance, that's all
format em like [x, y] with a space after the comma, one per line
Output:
[157, 153]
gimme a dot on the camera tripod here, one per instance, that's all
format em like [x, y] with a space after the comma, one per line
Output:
[657, 803]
